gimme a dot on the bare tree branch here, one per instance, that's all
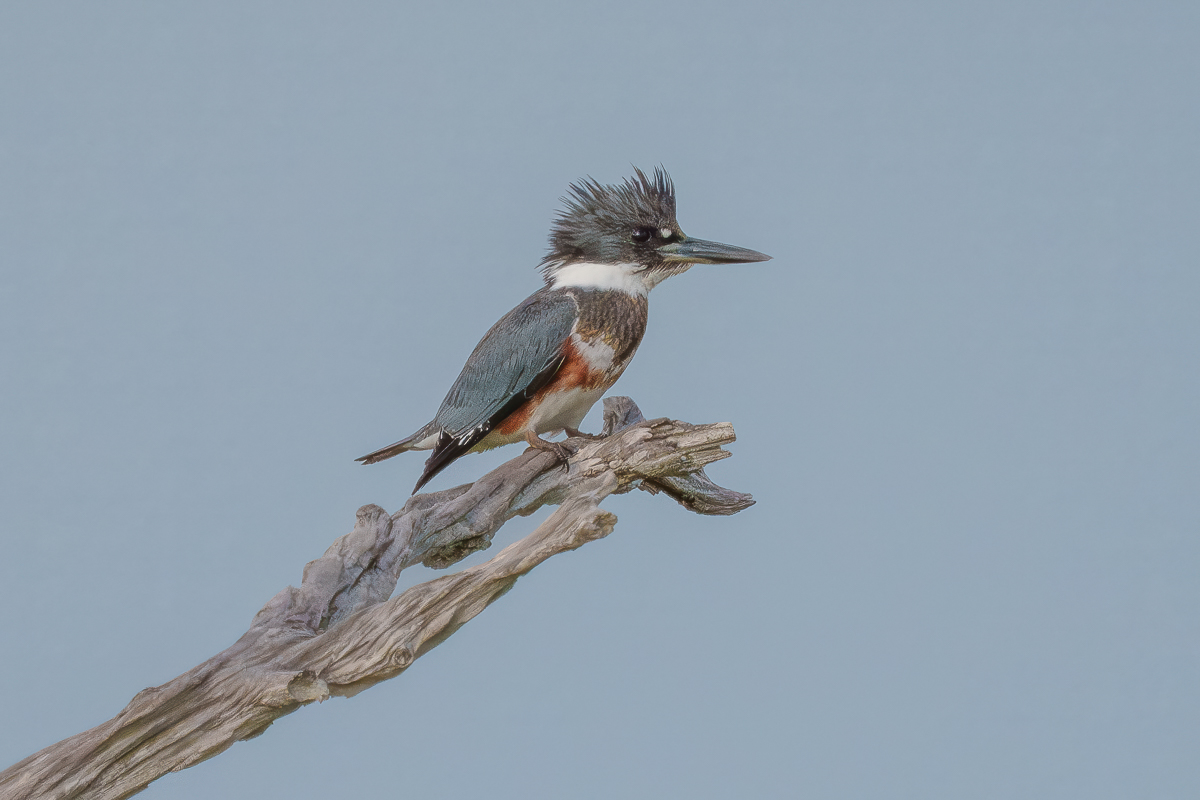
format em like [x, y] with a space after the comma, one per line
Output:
[339, 632]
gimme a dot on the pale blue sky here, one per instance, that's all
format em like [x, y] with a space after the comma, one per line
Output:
[245, 243]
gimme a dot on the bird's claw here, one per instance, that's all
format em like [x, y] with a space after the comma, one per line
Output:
[559, 451]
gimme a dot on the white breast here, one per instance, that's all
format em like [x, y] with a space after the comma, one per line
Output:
[564, 409]
[597, 354]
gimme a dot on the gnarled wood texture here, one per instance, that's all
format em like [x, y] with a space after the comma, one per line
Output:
[339, 632]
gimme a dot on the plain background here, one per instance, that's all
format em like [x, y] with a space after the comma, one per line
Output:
[245, 243]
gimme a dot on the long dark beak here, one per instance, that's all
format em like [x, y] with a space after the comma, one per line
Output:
[699, 251]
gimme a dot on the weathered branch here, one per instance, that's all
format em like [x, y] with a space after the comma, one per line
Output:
[338, 633]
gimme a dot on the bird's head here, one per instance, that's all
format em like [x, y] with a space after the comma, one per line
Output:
[627, 233]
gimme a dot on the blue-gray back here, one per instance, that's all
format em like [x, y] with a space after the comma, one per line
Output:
[515, 352]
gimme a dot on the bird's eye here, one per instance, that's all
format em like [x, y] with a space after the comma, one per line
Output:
[640, 235]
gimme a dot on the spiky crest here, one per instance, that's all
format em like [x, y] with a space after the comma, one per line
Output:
[597, 220]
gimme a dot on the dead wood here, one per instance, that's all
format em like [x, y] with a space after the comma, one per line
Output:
[339, 633]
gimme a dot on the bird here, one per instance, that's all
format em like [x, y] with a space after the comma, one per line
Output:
[543, 365]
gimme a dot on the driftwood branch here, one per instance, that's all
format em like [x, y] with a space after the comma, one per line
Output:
[339, 632]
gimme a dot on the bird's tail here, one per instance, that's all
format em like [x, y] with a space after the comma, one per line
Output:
[421, 440]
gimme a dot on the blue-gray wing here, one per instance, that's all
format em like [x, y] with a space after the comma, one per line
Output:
[517, 356]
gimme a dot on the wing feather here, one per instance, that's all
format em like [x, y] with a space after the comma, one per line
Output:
[518, 356]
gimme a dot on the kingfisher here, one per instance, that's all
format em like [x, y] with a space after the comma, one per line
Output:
[541, 368]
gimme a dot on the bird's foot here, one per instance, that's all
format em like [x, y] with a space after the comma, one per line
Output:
[574, 434]
[560, 452]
